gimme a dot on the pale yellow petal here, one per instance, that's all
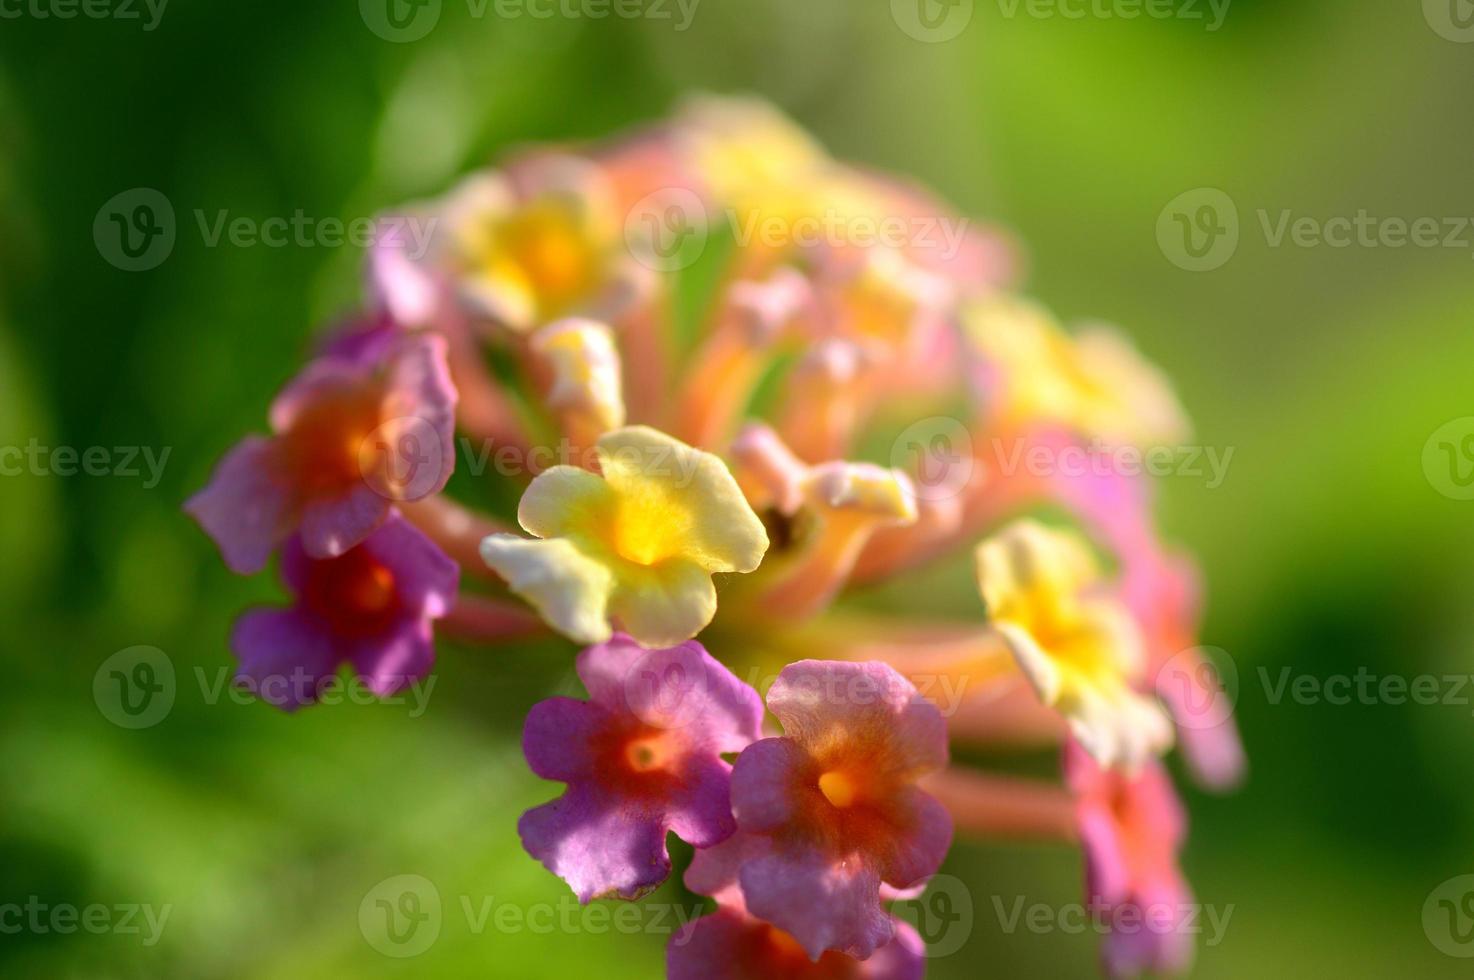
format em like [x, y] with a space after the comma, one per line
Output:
[678, 502]
[566, 500]
[569, 589]
[665, 604]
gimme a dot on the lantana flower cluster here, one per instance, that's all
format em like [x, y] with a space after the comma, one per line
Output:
[732, 458]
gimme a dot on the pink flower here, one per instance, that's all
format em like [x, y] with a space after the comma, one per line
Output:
[1132, 828]
[641, 757]
[836, 801]
[730, 945]
[371, 607]
[356, 431]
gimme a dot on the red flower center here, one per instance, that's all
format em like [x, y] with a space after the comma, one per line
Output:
[355, 593]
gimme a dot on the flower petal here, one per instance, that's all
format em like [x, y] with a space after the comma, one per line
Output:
[245, 508]
[691, 489]
[822, 903]
[662, 605]
[599, 849]
[567, 587]
[285, 657]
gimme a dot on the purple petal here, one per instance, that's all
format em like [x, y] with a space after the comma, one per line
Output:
[322, 378]
[701, 815]
[597, 845]
[556, 738]
[392, 662]
[728, 945]
[285, 657]
[714, 871]
[331, 527]
[366, 339]
[407, 289]
[763, 783]
[245, 508]
[822, 903]
[918, 849]
[814, 699]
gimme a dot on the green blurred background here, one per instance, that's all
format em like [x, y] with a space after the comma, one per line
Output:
[1325, 369]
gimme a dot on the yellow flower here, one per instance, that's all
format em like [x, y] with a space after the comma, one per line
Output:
[1095, 381]
[524, 260]
[635, 548]
[1078, 646]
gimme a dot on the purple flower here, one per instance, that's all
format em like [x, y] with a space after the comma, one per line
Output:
[836, 798]
[730, 945]
[371, 607]
[641, 757]
[352, 435]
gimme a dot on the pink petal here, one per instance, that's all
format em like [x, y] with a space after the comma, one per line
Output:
[598, 846]
[285, 657]
[556, 738]
[245, 508]
[823, 904]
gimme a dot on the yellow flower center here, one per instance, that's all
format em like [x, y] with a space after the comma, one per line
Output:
[839, 789]
[647, 754]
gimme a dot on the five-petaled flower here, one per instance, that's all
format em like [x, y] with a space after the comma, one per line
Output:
[371, 607]
[641, 757]
[832, 807]
[1076, 644]
[354, 433]
[637, 546]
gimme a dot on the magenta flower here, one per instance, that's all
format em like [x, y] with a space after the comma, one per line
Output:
[357, 430]
[1132, 828]
[641, 757]
[729, 945]
[836, 799]
[371, 607]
